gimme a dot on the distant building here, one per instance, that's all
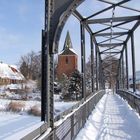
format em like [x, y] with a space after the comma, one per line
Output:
[10, 74]
[137, 80]
[67, 59]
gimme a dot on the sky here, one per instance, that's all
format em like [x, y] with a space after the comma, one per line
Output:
[21, 22]
[93, 6]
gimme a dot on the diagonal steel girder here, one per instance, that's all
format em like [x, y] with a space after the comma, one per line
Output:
[81, 19]
[108, 8]
[114, 33]
[116, 25]
[111, 56]
[110, 44]
[109, 25]
[125, 7]
[111, 48]
[111, 38]
[110, 52]
[114, 19]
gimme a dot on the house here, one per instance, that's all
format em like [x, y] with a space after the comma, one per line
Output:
[67, 59]
[9, 74]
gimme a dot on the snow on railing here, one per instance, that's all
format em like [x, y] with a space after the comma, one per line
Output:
[71, 121]
[132, 99]
[68, 123]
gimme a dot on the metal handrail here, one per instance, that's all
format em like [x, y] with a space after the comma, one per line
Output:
[132, 99]
[71, 119]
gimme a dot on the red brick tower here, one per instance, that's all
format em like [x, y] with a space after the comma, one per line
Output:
[67, 59]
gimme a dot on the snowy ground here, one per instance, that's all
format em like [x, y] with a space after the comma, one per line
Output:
[59, 106]
[14, 126]
[62, 106]
[112, 119]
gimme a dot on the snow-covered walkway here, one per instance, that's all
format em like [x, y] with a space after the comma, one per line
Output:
[112, 119]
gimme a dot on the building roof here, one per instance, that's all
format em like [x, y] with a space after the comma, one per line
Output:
[67, 48]
[10, 72]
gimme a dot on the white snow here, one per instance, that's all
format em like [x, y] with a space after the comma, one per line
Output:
[8, 71]
[14, 126]
[71, 49]
[112, 119]
[62, 106]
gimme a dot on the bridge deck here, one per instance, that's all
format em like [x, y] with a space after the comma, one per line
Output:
[111, 120]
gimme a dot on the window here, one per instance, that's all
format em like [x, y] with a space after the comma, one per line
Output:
[67, 60]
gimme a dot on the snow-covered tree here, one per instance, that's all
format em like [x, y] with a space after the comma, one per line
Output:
[64, 82]
[88, 74]
[75, 85]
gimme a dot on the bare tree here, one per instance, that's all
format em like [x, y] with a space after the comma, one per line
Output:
[110, 67]
[30, 65]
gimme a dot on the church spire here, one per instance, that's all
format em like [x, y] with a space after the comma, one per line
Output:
[68, 43]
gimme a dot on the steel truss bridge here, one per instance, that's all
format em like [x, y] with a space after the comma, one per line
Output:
[116, 34]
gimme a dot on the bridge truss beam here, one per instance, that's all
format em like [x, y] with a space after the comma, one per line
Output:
[56, 15]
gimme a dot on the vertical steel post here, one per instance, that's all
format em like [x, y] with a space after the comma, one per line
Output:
[92, 63]
[102, 77]
[83, 61]
[133, 62]
[100, 73]
[119, 75]
[45, 100]
[52, 90]
[96, 55]
[121, 82]
[47, 68]
[43, 80]
[123, 79]
[126, 59]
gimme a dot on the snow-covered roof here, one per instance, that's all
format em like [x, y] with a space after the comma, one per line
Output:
[10, 72]
[69, 51]
[73, 51]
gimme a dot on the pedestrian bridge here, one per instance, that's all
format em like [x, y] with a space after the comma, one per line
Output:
[109, 43]
[112, 119]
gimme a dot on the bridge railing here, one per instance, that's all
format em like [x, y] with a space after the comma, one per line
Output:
[68, 127]
[132, 99]
[68, 124]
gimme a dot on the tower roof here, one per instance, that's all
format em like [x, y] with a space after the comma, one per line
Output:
[67, 48]
[68, 43]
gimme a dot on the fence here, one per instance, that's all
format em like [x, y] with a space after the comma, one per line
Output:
[132, 99]
[71, 124]
[68, 123]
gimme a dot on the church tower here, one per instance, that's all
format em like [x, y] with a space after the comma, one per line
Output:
[67, 59]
